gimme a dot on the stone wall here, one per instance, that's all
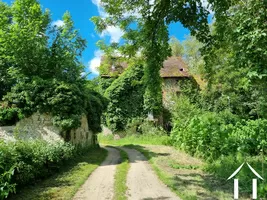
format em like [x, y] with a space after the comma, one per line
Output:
[170, 87]
[40, 126]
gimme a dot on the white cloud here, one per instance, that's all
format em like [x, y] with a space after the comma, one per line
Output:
[95, 62]
[115, 33]
[58, 23]
[206, 5]
[99, 8]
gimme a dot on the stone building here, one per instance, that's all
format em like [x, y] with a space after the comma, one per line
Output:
[174, 70]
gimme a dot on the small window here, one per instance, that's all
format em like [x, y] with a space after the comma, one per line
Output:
[181, 69]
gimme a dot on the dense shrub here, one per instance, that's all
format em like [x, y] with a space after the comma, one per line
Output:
[65, 101]
[25, 162]
[212, 135]
[95, 106]
[205, 134]
[249, 137]
[9, 115]
[126, 98]
[140, 126]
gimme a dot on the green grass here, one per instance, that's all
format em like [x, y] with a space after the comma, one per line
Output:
[134, 139]
[66, 183]
[185, 189]
[178, 166]
[122, 169]
[160, 173]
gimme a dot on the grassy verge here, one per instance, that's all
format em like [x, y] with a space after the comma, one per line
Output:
[160, 173]
[134, 139]
[121, 177]
[66, 183]
[183, 174]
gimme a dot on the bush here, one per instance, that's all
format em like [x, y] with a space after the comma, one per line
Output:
[224, 166]
[24, 162]
[249, 137]
[67, 102]
[205, 135]
[212, 135]
[9, 115]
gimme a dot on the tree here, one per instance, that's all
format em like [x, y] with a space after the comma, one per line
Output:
[65, 51]
[150, 35]
[176, 47]
[193, 55]
[235, 58]
[40, 68]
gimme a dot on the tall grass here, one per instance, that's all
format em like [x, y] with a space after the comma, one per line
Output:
[134, 139]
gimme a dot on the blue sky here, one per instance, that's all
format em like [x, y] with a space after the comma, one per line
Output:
[82, 11]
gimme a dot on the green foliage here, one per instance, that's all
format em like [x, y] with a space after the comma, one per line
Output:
[6, 187]
[150, 36]
[9, 115]
[192, 55]
[212, 135]
[125, 96]
[25, 162]
[235, 61]
[141, 126]
[176, 47]
[249, 137]
[226, 165]
[190, 88]
[205, 135]
[64, 101]
[40, 68]
[96, 106]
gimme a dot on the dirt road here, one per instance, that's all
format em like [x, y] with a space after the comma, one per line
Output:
[142, 182]
[99, 185]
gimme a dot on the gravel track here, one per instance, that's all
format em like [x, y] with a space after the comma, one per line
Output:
[100, 185]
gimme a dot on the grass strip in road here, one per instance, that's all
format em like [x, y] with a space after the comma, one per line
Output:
[162, 176]
[122, 169]
[66, 183]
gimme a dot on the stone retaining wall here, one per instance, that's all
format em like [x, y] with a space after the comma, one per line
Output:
[40, 126]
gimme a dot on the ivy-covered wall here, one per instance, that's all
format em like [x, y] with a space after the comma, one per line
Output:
[126, 98]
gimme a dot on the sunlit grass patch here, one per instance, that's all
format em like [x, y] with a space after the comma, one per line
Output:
[122, 169]
[134, 139]
[65, 184]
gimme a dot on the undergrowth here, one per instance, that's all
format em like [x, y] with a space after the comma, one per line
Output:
[64, 184]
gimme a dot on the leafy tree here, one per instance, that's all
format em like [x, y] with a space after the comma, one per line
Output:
[40, 68]
[235, 62]
[176, 47]
[65, 52]
[192, 55]
[26, 39]
[150, 34]
[5, 79]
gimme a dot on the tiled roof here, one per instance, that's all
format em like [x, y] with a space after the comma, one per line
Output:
[172, 67]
